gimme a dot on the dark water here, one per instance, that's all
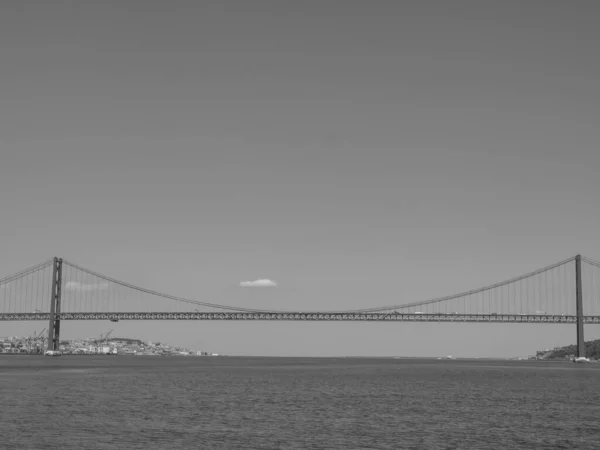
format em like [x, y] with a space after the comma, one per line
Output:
[269, 403]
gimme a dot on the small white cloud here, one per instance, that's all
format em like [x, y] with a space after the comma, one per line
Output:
[76, 286]
[258, 283]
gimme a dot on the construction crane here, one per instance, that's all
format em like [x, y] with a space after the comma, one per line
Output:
[43, 339]
[106, 336]
[28, 340]
[38, 347]
[101, 340]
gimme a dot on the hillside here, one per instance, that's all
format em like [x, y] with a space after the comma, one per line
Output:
[592, 351]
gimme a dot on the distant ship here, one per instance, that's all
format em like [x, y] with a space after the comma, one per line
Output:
[52, 353]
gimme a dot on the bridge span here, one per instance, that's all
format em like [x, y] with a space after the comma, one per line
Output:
[57, 290]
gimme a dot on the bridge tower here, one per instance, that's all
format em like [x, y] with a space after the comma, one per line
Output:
[54, 326]
[579, 307]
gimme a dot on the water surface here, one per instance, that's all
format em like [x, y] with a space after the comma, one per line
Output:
[104, 402]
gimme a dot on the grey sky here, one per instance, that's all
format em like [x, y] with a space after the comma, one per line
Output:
[358, 153]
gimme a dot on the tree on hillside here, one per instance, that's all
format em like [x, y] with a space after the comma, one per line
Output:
[592, 350]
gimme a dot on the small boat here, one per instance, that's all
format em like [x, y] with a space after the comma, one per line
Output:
[52, 353]
[581, 359]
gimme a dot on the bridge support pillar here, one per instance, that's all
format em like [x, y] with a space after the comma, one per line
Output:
[54, 326]
[579, 308]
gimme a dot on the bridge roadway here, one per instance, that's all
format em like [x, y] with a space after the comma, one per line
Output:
[306, 316]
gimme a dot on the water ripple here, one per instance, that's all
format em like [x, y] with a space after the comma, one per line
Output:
[273, 403]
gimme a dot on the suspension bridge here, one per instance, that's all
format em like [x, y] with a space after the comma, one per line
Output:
[58, 290]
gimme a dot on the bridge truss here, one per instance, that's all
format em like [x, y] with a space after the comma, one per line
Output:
[311, 316]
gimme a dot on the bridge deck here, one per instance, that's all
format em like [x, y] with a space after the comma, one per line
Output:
[308, 316]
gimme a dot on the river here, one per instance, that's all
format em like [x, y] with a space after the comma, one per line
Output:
[104, 402]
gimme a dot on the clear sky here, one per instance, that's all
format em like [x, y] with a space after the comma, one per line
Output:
[359, 153]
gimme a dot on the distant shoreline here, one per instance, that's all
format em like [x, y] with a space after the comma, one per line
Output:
[416, 358]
